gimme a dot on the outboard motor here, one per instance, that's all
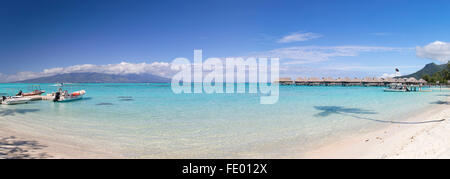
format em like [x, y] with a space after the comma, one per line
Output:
[3, 98]
[57, 96]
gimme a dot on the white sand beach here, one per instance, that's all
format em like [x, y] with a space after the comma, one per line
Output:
[20, 145]
[427, 140]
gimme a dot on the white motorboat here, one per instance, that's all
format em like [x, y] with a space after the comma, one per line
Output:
[397, 87]
[14, 100]
[394, 90]
[64, 96]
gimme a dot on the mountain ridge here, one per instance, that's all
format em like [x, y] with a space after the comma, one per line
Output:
[428, 69]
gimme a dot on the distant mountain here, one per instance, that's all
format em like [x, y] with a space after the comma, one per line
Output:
[429, 69]
[98, 78]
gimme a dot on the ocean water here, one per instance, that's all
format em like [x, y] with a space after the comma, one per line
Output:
[150, 121]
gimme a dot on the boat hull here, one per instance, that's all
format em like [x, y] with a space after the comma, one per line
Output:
[33, 93]
[77, 95]
[69, 99]
[394, 90]
[16, 101]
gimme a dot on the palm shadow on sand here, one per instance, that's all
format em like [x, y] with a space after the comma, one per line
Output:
[14, 148]
[329, 110]
[352, 112]
[440, 102]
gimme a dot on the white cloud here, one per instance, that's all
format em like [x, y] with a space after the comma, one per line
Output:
[156, 68]
[436, 50]
[313, 54]
[298, 37]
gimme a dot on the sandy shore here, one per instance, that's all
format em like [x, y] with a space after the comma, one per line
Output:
[20, 145]
[415, 140]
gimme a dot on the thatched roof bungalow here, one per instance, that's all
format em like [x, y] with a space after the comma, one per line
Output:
[300, 81]
[284, 81]
[422, 81]
[411, 80]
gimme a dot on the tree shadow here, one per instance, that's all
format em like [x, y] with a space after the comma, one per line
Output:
[328, 110]
[12, 112]
[440, 102]
[14, 148]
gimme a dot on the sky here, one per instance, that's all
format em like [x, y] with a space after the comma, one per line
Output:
[311, 38]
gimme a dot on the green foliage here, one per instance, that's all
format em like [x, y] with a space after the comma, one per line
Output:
[429, 69]
[442, 75]
[426, 77]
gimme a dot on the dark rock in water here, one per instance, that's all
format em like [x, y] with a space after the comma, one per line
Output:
[126, 99]
[104, 104]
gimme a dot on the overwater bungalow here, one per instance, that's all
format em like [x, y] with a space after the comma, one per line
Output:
[284, 81]
[422, 82]
[355, 82]
[300, 81]
[339, 81]
[314, 81]
[367, 81]
[346, 81]
[329, 81]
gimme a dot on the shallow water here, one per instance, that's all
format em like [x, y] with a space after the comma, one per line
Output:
[149, 120]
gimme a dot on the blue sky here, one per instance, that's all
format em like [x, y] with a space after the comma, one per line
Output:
[373, 36]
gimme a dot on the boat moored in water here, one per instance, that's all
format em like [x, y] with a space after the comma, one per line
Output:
[65, 96]
[33, 93]
[35, 90]
[394, 90]
[398, 87]
[14, 100]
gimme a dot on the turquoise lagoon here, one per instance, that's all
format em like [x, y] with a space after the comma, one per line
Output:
[150, 121]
